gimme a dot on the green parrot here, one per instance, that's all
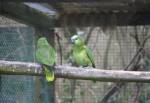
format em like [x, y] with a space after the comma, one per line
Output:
[81, 54]
[46, 55]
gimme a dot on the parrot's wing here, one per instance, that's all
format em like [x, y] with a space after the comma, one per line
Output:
[46, 56]
[90, 55]
[45, 53]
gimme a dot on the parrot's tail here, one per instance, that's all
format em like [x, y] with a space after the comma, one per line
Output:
[49, 73]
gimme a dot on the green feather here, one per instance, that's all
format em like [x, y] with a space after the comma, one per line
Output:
[46, 55]
[49, 74]
[90, 56]
[82, 55]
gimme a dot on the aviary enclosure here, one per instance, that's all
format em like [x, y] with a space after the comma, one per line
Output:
[117, 31]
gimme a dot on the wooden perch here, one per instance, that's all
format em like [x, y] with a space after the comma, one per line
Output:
[34, 69]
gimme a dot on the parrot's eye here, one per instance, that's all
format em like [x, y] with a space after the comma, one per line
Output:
[76, 38]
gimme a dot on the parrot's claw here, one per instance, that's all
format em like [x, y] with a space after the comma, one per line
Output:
[87, 67]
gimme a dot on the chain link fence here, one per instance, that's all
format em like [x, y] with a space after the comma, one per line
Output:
[17, 43]
[114, 48]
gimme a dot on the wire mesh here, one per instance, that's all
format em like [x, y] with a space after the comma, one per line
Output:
[16, 44]
[116, 49]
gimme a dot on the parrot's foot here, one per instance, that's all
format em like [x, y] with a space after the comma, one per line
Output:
[87, 67]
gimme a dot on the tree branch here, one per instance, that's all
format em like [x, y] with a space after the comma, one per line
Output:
[34, 69]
